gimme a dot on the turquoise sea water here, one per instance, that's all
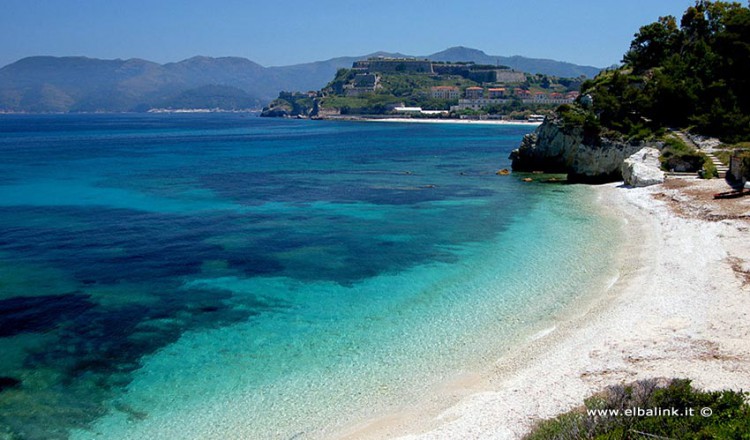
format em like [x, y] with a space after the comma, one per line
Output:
[226, 276]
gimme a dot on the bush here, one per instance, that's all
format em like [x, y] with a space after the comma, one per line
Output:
[575, 116]
[725, 151]
[679, 157]
[676, 145]
[709, 170]
[597, 418]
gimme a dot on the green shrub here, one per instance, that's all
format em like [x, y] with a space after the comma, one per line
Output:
[678, 156]
[675, 145]
[709, 170]
[596, 420]
[727, 151]
[575, 116]
[723, 156]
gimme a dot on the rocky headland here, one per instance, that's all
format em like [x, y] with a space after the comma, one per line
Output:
[557, 147]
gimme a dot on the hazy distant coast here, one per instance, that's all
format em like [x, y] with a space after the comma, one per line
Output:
[45, 84]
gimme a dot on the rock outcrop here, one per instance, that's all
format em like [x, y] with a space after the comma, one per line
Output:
[554, 148]
[277, 111]
[643, 168]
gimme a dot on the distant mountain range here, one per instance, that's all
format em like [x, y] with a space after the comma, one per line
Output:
[80, 84]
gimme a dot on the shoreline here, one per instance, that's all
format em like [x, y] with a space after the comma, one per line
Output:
[437, 121]
[677, 310]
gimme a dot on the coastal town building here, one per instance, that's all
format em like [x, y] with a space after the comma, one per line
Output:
[483, 74]
[407, 110]
[477, 104]
[509, 76]
[543, 98]
[445, 92]
[418, 111]
[445, 68]
[496, 93]
[363, 83]
[535, 118]
[521, 93]
[474, 93]
[390, 65]
[499, 96]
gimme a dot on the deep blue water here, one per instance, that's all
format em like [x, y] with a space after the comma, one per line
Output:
[122, 234]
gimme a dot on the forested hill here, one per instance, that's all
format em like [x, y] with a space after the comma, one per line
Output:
[692, 72]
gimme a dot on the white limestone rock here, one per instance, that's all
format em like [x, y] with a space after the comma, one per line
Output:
[643, 168]
[555, 149]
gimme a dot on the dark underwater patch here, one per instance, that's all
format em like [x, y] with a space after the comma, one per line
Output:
[98, 348]
[294, 187]
[39, 313]
[113, 245]
[7, 383]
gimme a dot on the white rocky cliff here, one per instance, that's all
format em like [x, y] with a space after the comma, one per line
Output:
[554, 148]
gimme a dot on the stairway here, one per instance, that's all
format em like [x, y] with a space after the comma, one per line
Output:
[720, 167]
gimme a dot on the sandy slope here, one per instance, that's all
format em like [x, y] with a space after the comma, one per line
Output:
[681, 308]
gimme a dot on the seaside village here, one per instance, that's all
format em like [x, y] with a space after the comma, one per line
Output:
[498, 85]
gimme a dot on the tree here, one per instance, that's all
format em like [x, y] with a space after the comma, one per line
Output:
[695, 74]
[652, 44]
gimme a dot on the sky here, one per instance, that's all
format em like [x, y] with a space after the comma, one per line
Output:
[284, 32]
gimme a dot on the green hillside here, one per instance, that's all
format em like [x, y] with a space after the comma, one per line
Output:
[691, 73]
[379, 85]
[396, 88]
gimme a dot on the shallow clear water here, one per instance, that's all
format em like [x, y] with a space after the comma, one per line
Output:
[210, 276]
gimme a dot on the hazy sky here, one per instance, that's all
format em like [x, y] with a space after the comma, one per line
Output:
[282, 32]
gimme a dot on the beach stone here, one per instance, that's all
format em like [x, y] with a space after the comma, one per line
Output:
[643, 168]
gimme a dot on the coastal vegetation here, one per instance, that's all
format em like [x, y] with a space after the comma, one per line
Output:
[644, 409]
[692, 73]
[678, 79]
[740, 150]
[678, 156]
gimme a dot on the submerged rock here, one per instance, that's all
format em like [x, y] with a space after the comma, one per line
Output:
[643, 168]
[9, 382]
